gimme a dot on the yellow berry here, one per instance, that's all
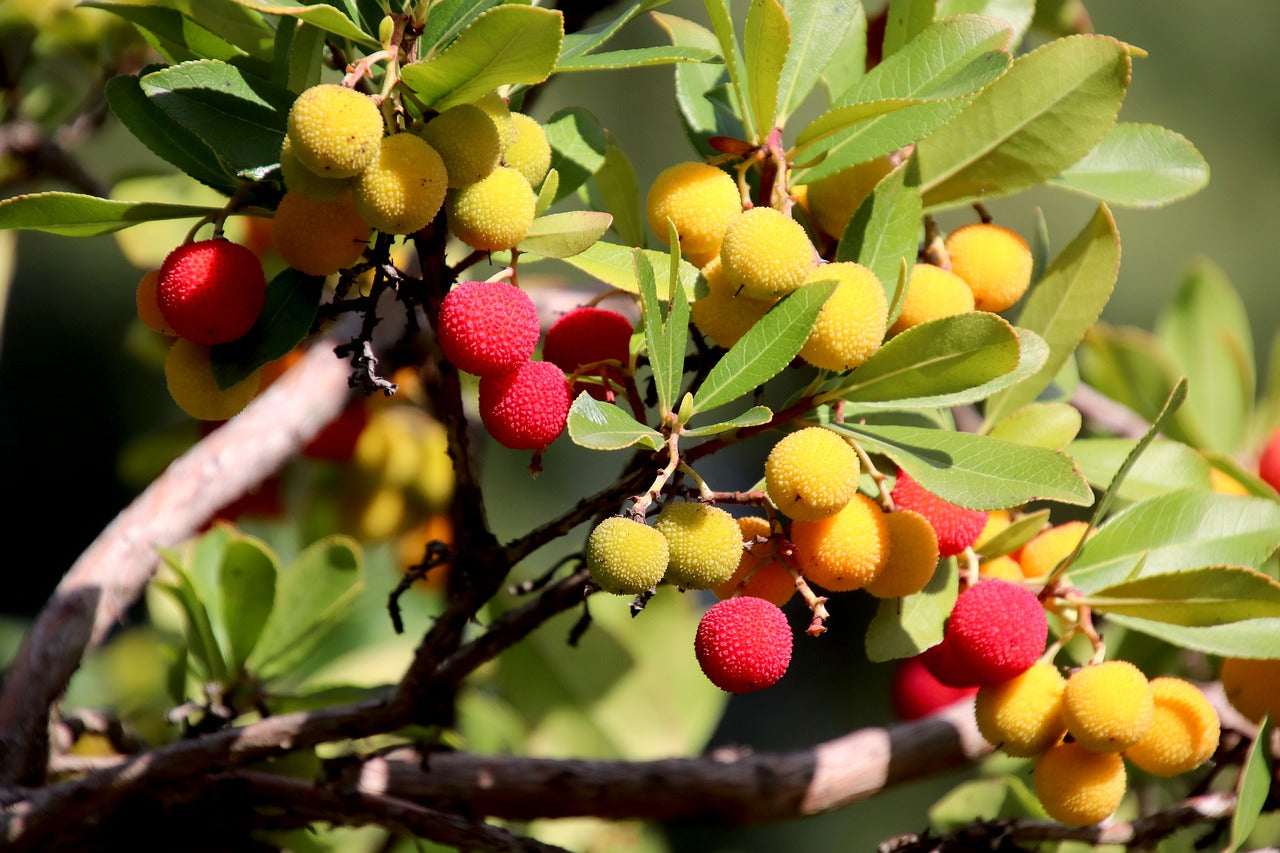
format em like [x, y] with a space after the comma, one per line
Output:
[759, 573]
[319, 237]
[1224, 484]
[851, 325]
[811, 474]
[299, 179]
[704, 542]
[725, 314]
[466, 140]
[700, 200]
[529, 153]
[495, 106]
[913, 556]
[1005, 568]
[1050, 547]
[1184, 730]
[1023, 716]
[846, 551]
[376, 512]
[626, 557]
[402, 190]
[997, 521]
[189, 375]
[1107, 706]
[1252, 686]
[833, 199]
[766, 253]
[149, 308]
[932, 292]
[494, 213]
[1078, 787]
[334, 130]
[994, 261]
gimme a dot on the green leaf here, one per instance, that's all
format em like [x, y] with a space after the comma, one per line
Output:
[722, 26]
[816, 30]
[935, 360]
[976, 471]
[247, 587]
[176, 35]
[547, 192]
[1016, 13]
[638, 57]
[242, 118]
[985, 799]
[286, 319]
[694, 81]
[1064, 305]
[1252, 788]
[943, 66]
[885, 230]
[1179, 530]
[666, 339]
[1247, 638]
[579, 145]
[620, 195]
[615, 266]
[754, 416]
[1138, 165]
[1207, 329]
[447, 18]
[1048, 111]
[75, 215]
[849, 64]
[562, 235]
[1014, 536]
[577, 44]
[201, 641]
[326, 17]
[601, 426]
[508, 44]
[1165, 466]
[311, 596]
[841, 119]
[766, 348]
[1048, 425]
[906, 20]
[1197, 598]
[905, 627]
[765, 42]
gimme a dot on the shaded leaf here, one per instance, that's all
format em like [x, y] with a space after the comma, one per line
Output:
[816, 30]
[905, 627]
[754, 416]
[739, 79]
[1137, 165]
[75, 215]
[247, 587]
[1213, 595]
[577, 44]
[694, 81]
[578, 147]
[1253, 787]
[287, 316]
[765, 42]
[177, 35]
[326, 17]
[639, 57]
[906, 20]
[620, 194]
[615, 266]
[562, 235]
[1247, 638]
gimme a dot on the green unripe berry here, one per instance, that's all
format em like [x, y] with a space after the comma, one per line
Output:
[334, 130]
[529, 153]
[402, 190]
[467, 140]
[626, 557]
[851, 325]
[704, 543]
[766, 253]
[811, 474]
[494, 213]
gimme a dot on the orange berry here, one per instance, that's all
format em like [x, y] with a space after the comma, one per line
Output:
[1184, 730]
[1107, 706]
[994, 261]
[846, 551]
[913, 556]
[1050, 547]
[1078, 787]
[759, 572]
[1252, 687]
[932, 293]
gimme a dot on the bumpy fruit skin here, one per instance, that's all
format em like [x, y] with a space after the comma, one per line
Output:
[943, 664]
[1005, 568]
[1050, 547]
[403, 188]
[189, 375]
[932, 293]
[334, 130]
[833, 200]
[1078, 787]
[997, 630]
[743, 644]
[211, 292]
[529, 153]
[704, 541]
[487, 327]
[587, 335]
[766, 253]
[851, 325]
[957, 527]
[494, 213]
[1184, 730]
[625, 556]
[1107, 706]
[994, 261]
[319, 237]
[913, 556]
[846, 551]
[916, 693]
[700, 200]
[1252, 686]
[495, 106]
[1023, 716]
[467, 141]
[811, 474]
[149, 307]
[299, 179]
[725, 313]
[997, 521]
[1269, 461]
[526, 408]
[759, 573]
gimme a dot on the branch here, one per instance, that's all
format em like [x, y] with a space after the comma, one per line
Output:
[1115, 418]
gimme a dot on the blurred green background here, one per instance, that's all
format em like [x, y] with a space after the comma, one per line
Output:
[70, 394]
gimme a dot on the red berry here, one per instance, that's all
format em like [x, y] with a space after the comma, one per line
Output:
[1269, 462]
[942, 663]
[997, 630]
[918, 693]
[526, 408]
[743, 644]
[211, 291]
[587, 335]
[488, 327]
[337, 441]
[957, 527]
